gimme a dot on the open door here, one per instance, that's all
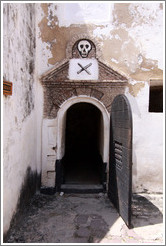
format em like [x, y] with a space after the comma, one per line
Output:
[120, 166]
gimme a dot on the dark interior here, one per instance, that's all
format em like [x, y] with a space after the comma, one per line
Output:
[82, 160]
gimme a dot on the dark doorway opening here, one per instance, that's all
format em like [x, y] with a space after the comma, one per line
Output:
[83, 139]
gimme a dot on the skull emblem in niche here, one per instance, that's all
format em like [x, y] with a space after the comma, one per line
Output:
[84, 48]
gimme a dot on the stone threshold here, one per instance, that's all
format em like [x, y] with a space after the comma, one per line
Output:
[81, 188]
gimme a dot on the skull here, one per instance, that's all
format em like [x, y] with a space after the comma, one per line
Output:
[84, 47]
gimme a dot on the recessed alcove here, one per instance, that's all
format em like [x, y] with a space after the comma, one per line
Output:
[83, 139]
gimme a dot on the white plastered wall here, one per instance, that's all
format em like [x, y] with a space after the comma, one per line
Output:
[131, 38]
[19, 125]
[148, 139]
[135, 39]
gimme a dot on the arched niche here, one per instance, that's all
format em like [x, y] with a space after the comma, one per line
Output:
[61, 120]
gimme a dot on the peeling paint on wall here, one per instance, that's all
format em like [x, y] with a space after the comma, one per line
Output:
[55, 37]
[146, 29]
[122, 37]
[134, 89]
[130, 38]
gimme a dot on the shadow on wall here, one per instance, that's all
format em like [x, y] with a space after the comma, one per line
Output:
[32, 183]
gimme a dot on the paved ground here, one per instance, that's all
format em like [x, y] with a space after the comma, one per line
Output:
[88, 218]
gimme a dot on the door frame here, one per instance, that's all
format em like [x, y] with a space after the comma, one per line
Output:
[61, 123]
[61, 117]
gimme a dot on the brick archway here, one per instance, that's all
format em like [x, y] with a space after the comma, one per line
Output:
[63, 86]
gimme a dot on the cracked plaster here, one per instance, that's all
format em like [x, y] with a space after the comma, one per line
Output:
[130, 29]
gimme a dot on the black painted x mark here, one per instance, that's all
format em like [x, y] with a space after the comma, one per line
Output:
[84, 68]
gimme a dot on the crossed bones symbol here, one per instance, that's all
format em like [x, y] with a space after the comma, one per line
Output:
[84, 68]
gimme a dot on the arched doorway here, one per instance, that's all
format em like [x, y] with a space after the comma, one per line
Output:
[83, 140]
[97, 138]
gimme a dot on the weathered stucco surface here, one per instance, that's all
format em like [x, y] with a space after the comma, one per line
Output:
[19, 137]
[131, 41]
[132, 28]
[36, 38]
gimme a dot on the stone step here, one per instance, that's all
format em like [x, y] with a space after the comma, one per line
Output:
[81, 188]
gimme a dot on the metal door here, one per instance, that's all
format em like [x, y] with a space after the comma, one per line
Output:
[120, 166]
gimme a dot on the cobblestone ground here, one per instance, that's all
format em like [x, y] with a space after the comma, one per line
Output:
[88, 218]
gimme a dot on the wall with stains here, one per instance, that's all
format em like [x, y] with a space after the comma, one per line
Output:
[122, 29]
[131, 41]
[36, 37]
[19, 127]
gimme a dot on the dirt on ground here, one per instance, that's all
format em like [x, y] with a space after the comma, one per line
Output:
[88, 218]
